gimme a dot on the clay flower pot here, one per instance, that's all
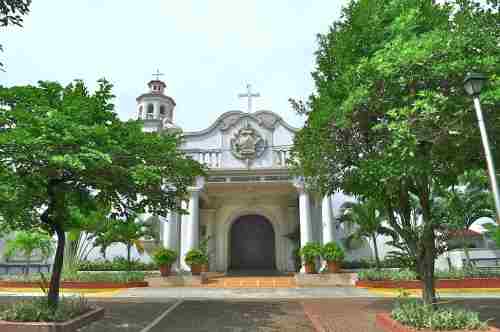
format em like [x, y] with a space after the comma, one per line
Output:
[204, 267]
[196, 269]
[165, 270]
[333, 267]
[310, 268]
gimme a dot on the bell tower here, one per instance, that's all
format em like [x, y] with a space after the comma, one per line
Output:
[154, 107]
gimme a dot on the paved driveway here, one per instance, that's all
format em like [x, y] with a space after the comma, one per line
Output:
[307, 315]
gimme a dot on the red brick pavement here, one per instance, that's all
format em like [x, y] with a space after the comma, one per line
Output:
[345, 315]
[358, 315]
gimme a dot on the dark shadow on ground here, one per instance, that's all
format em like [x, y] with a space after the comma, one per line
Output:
[215, 316]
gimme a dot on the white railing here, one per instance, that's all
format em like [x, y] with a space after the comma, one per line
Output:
[280, 157]
[210, 158]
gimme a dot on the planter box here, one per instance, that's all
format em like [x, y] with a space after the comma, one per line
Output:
[77, 284]
[179, 280]
[326, 279]
[386, 323]
[440, 283]
[68, 326]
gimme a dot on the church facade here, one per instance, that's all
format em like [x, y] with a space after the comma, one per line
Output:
[249, 210]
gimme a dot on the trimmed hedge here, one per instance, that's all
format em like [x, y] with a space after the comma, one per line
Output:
[117, 264]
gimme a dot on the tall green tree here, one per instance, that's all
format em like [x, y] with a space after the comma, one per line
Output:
[390, 119]
[366, 220]
[11, 13]
[64, 148]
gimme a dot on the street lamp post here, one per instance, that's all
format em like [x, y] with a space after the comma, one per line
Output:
[473, 84]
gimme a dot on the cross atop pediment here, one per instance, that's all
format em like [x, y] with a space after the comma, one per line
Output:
[249, 95]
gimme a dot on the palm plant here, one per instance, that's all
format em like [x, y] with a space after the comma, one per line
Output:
[28, 243]
[462, 207]
[365, 220]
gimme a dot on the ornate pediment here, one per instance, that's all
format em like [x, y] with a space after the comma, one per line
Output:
[247, 143]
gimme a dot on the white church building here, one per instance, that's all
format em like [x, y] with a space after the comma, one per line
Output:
[249, 206]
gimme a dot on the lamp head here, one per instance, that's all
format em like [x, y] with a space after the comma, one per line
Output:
[473, 83]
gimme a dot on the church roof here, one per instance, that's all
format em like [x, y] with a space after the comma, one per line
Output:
[264, 118]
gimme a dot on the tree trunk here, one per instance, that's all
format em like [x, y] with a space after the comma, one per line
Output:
[375, 249]
[466, 253]
[426, 265]
[28, 263]
[55, 280]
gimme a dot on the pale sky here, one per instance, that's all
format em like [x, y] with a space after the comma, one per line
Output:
[208, 50]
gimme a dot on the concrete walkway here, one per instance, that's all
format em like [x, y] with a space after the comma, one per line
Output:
[243, 294]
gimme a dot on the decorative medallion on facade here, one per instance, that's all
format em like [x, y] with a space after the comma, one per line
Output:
[248, 144]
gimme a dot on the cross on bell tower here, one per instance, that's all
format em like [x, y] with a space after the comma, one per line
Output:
[249, 95]
[158, 74]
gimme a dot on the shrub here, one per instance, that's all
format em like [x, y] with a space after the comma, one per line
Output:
[38, 310]
[407, 274]
[196, 257]
[332, 252]
[418, 315]
[164, 256]
[117, 264]
[309, 252]
[395, 275]
[120, 277]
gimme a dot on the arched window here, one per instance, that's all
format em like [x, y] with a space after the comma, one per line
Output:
[162, 111]
[140, 112]
[151, 110]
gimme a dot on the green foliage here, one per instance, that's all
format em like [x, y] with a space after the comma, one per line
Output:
[119, 277]
[64, 151]
[389, 112]
[39, 310]
[129, 232]
[365, 220]
[12, 12]
[462, 205]
[117, 264]
[415, 314]
[392, 274]
[164, 256]
[494, 232]
[332, 252]
[196, 257]
[407, 274]
[310, 251]
[28, 243]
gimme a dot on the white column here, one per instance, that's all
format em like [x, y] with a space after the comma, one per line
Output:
[170, 231]
[190, 227]
[304, 218]
[328, 220]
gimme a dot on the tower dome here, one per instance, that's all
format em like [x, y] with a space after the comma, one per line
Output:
[154, 107]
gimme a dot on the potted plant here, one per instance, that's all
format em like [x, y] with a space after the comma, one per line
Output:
[164, 258]
[333, 254]
[197, 260]
[309, 253]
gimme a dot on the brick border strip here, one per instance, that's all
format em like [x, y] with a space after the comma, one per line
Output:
[386, 323]
[440, 283]
[68, 326]
[77, 284]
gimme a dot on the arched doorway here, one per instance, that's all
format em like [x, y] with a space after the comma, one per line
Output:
[252, 244]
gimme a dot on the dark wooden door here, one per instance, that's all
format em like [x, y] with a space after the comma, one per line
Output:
[252, 244]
